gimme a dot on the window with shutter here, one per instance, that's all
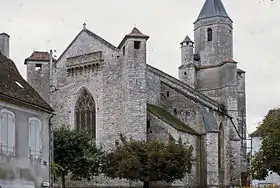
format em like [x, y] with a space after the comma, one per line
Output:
[35, 138]
[7, 134]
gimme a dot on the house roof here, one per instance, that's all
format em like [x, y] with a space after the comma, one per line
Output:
[170, 119]
[256, 133]
[14, 88]
[39, 56]
[212, 8]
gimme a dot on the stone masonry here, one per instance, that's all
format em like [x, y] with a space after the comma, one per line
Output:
[206, 106]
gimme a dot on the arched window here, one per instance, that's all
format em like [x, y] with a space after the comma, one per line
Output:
[209, 34]
[7, 132]
[35, 137]
[221, 156]
[85, 114]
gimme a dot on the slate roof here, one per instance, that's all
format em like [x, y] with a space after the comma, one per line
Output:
[14, 88]
[170, 119]
[209, 121]
[39, 56]
[212, 8]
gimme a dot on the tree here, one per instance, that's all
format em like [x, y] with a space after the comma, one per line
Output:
[268, 157]
[149, 161]
[75, 155]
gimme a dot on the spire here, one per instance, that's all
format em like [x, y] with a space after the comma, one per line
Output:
[212, 8]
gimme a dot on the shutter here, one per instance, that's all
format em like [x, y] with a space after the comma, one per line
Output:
[1, 132]
[32, 141]
[5, 131]
[38, 137]
[30, 136]
[11, 133]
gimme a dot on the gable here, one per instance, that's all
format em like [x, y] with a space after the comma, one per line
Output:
[84, 43]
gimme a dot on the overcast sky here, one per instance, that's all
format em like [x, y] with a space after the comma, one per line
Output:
[46, 24]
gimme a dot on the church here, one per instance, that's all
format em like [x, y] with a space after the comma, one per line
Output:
[107, 90]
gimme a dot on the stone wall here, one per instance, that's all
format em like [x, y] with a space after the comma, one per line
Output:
[160, 130]
[102, 82]
[242, 126]
[203, 117]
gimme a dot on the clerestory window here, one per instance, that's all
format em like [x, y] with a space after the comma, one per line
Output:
[85, 114]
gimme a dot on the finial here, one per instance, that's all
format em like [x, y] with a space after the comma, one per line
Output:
[84, 26]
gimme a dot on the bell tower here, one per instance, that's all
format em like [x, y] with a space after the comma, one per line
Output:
[213, 34]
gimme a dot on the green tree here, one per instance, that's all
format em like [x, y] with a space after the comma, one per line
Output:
[268, 157]
[75, 155]
[149, 161]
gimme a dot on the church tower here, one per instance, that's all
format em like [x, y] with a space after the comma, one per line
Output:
[213, 34]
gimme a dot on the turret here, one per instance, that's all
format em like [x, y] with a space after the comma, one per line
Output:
[133, 62]
[187, 70]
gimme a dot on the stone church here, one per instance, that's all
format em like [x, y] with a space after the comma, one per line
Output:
[107, 90]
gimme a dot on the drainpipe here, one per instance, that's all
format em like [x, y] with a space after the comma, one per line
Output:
[51, 144]
[51, 127]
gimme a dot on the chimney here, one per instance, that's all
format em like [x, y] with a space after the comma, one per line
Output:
[5, 44]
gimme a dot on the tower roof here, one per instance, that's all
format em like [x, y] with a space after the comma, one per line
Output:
[212, 8]
[187, 39]
[135, 33]
[39, 56]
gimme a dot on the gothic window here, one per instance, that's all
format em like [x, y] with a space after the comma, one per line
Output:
[85, 114]
[7, 132]
[209, 34]
[35, 138]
